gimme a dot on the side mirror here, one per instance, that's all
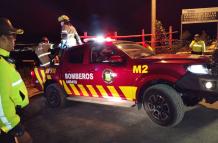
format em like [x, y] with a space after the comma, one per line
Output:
[116, 59]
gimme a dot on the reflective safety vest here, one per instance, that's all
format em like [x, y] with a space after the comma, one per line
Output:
[42, 52]
[13, 93]
[197, 46]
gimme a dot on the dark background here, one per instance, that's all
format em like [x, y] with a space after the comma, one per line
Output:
[39, 17]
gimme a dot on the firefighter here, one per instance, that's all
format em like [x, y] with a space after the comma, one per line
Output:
[197, 45]
[13, 92]
[43, 51]
[69, 35]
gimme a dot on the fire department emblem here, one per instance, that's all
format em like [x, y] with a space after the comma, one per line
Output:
[108, 76]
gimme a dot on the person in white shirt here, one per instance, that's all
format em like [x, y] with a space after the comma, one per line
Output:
[69, 35]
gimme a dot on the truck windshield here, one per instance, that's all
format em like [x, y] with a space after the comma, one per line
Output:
[136, 51]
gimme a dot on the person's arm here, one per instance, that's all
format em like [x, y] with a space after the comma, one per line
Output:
[73, 30]
[19, 95]
[78, 38]
[8, 117]
[192, 43]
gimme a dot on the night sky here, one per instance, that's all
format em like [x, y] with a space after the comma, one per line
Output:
[39, 17]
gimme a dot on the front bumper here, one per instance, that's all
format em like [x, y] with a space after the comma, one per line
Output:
[198, 85]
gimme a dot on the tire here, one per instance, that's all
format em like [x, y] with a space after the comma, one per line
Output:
[163, 105]
[55, 96]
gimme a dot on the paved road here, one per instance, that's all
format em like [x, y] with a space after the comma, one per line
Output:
[91, 123]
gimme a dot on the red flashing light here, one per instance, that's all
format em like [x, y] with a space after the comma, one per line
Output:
[32, 74]
[100, 39]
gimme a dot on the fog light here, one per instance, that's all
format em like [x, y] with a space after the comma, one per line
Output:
[208, 84]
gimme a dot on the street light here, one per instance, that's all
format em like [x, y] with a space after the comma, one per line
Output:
[153, 22]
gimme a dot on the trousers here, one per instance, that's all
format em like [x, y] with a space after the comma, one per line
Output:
[6, 138]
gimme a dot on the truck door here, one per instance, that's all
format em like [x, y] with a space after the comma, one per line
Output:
[112, 75]
[74, 71]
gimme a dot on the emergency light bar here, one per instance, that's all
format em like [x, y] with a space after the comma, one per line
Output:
[99, 39]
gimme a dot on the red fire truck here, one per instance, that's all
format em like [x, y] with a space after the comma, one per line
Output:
[124, 73]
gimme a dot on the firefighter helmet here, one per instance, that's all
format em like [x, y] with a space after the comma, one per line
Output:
[63, 18]
[7, 28]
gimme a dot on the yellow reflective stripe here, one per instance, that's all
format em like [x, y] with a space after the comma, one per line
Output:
[60, 81]
[129, 92]
[48, 76]
[75, 90]
[66, 88]
[92, 90]
[38, 77]
[43, 75]
[47, 70]
[102, 91]
[113, 91]
[82, 88]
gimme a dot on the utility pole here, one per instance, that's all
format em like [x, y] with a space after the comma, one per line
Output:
[153, 22]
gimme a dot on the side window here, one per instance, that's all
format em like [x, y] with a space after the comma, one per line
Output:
[76, 55]
[102, 53]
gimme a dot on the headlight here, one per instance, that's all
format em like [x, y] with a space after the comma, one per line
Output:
[198, 69]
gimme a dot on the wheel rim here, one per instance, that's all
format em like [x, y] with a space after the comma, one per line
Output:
[158, 107]
[53, 98]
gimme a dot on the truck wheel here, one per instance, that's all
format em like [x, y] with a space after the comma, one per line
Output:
[55, 96]
[163, 105]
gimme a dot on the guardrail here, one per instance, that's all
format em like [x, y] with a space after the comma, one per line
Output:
[142, 37]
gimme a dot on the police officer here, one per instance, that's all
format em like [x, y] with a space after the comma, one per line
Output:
[197, 45]
[13, 92]
[69, 35]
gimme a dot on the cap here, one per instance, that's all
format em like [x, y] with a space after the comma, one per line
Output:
[7, 28]
[63, 18]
